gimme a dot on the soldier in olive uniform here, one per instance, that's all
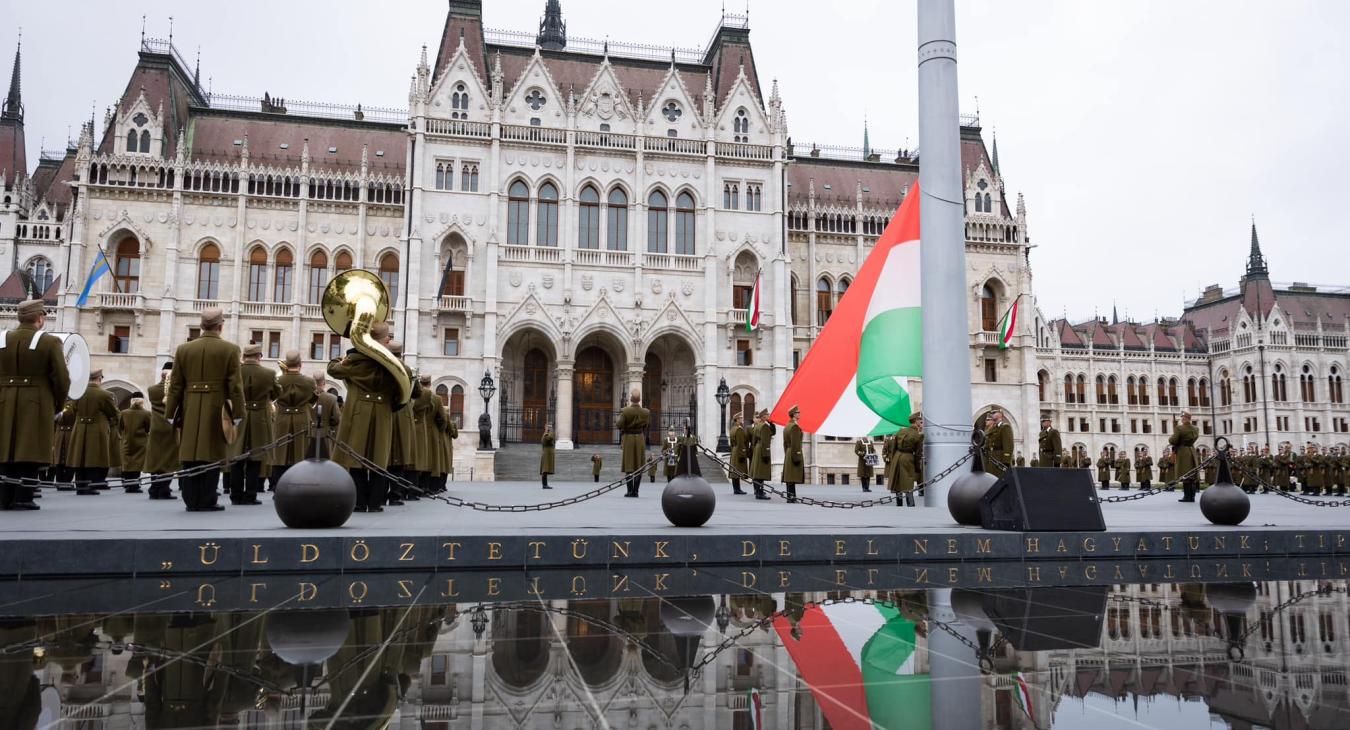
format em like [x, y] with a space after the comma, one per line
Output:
[34, 383]
[367, 426]
[547, 445]
[761, 461]
[1284, 468]
[449, 432]
[794, 461]
[1311, 473]
[91, 453]
[1183, 440]
[260, 389]
[295, 414]
[1341, 465]
[998, 439]
[1104, 464]
[596, 464]
[908, 460]
[1122, 466]
[633, 423]
[1143, 469]
[1211, 471]
[403, 448]
[1167, 470]
[329, 413]
[740, 452]
[65, 423]
[161, 449]
[206, 387]
[429, 426]
[669, 456]
[134, 425]
[1245, 469]
[1049, 445]
[864, 448]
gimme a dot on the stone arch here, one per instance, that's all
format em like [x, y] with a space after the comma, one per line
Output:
[527, 381]
[670, 363]
[122, 390]
[679, 330]
[693, 192]
[520, 647]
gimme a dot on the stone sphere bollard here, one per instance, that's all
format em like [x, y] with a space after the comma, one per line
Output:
[1224, 503]
[963, 499]
[688, 501]
[302, 638]
[315, 494]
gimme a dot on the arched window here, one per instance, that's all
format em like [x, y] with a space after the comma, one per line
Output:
[792, 301]
[616, 223]
[824, 301]
[518, 214]
[257, 274]
[132, 145]
[1334, 392]
[1082, 388]
[1131, 397]
[127, 274]
[748, 406]
[1068, 389]
[443, 393]
[548, 215]
[1248, 386]
[684, 224]
[1191, 395]
[318, 276]
[1101, 390]
[343, 263]
[389, 275]
[988, 204]
[741, 126]
[1042, 386]
[457, 405]
[1225, 389]
[1162, 391]
[452, 282]
[1204, 391]
[145, 141]
[988, 309]
[658, 216]
[459, 102]
[40, 271]
[283, 278]
[1279, 384]
[1307, 389]
[1112, 396]
[588, 223]
[841, 288]
[208, 272]
[733, 408]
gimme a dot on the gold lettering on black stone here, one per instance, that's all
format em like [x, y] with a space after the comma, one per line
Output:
[748, 579]
[578, 585]
[839, 549]
[840, 577]
[407, 554]
[494, 551]
[307, 592]
[309, 552]
[1063, 571]
[748, 548]
[1193, 542]
[984, 575]
[404, 588]
[1196, 572]
[449, 591]
[1167, 542]
[1298, 540]
[1220, 570]
[357, 590]
[1033, 574]
[1119, 574]
[784, 548]
[208, 553]
[258, 558]
[1246, 570]
[619, 549]
[536, 548]
[984, 545]
[253, 591]
[1090, 572]
[659, 551]
[534, 585]
[1115, 544]
[1220, 542]
[871, 576]
[784, 578]
[920, 546]
[1089, 544]
[1062, 547]
[620, 584]
[872, 548]
[659, 582]
[494, 586]
[206, 595]
[360, 552]
[450, 548]
[952, 548]
[1244, 542]
[953, 576]
[1033, 544]
[920, 575]
[1142, 547]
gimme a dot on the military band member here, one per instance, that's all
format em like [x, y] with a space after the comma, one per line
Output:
[161, 448]
[1265, 468]
[633, 423]
[1143, 469]
[547, 445]
[1049, 445]
[1104, 464]
[402, 450]
[328, 411]
[908, 459]
[33, 387]
[1246, 469]
[1211, 470]
[864, 448]
[999, 442]
[1311, 473]
[1183, 440]
[295, 414]
[260, 389]
[449, 432]
[91, 452]
[740, 452]
[1122, 466]
[669, 457]
[134, 425]
[1284, 468]
[1167, 470]
[65, 423]
[428, 427]
[596, 464]
[761, 460]
[367, 425]
[794, 462]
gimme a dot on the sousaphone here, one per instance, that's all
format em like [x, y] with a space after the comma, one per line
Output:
[352, 303]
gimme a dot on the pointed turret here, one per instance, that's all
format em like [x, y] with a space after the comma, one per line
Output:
[867, 141]
[552, 30]
[1256, 263]
[13, 155]
[995, 155]
[13, 108]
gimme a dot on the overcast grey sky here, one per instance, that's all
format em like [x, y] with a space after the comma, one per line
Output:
[1145, 133]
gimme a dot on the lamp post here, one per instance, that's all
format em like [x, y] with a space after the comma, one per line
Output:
[487, 389]
[723, 396]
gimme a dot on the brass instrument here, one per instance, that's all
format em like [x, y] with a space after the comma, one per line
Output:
[352, 303]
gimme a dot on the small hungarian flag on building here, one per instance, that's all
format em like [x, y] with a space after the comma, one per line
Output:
[752, 315]
[1023, 695]
[1007, 325]
[756, 708]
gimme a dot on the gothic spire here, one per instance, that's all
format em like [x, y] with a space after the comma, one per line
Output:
[552, 30]
[1256, 263]
[867, 141]
[13, 108]
[995, 155]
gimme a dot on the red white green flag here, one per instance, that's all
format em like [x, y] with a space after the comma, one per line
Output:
[1008, 325]
[1023, 697]
[855, 379]
[756, 709]
[752, 315]
[859, 661]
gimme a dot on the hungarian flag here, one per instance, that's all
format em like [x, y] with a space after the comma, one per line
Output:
[752, 316]
[1007, 325]
[1022, 694]
[859, 661]
[756, 708]
[854, 381]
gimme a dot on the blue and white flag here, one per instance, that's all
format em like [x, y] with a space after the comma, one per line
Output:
[101, 267]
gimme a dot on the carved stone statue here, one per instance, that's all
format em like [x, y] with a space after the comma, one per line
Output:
[485, 432]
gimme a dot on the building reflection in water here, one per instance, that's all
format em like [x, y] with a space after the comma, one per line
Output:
[1270, 654]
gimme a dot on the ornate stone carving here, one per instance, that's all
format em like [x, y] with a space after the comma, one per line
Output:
[547, 280]
[656, 286]
[587, 281]
[515, 278]
[687, 288]
[617, 284]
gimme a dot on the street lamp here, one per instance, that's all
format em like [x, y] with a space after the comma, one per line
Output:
[723, 396]
[723, 615]
[487, 389]
[479, 621]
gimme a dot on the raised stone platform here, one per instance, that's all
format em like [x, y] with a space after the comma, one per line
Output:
[117, 534]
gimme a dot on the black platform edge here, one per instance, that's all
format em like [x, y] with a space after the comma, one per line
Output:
[171, 556]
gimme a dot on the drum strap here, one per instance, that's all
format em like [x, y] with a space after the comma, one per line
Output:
[33, 343]
[4, 337]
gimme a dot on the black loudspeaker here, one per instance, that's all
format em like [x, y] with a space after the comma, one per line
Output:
[1050, 500]
[1043, 619]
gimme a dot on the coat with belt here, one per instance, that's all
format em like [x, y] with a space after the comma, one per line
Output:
[91, 441]
[794, 461]
[403, 449]
[161, 449]
[1104, 465]
[260, 389]
[428, 417]
[33, 387]
[1143, 469]
[1182, 442]
[295, 414]
[1123, 469]
[908, 454]
[999, 444]
[134, 424]
[862, 450]
[670, 456]
[548, 443]
[1049, 446]
[761, 459]
[633, 423]
[451, 433]
[368, 417]
[740, 449]
[330, 415]
[206, 378]
[65, 423]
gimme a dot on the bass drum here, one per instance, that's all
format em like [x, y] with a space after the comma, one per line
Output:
[77, 361]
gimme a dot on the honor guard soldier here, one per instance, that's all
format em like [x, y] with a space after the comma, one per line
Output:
[688, 440]
[998, 442]
[761, 461]
[328, 411]
[1104, 464]
[866, 452]
[908, 460]
[596, 465]
[367, 426]
[633, 423]
[403, 449]
[295, 414]
[1183, 440]
[65, 423]
[134, 425]
[1211, 471]
[161, 449]
[91, 452]
[448, 435]
[1143, 469]
[1244, 469]
[1122, 466]
[740, 452]
[1049, 445]
[669, 456]
[1021, 460]
[205, 395]
[33, 387]
[547, 445]
[794, 461]
[428, 427]
[1167, 470]
[1284, 468]
[260, 389]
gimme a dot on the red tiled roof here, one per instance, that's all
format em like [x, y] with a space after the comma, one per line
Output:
[882, 182]
[471, 30]
[973, 153]
[1305, 309]
[13, 289]
[51, 182]
[164, 84]
[573, 72]
[727, 62]
[13, 156]
[1129, 336]
[53, 292]
[213, 134]
[1068, 336]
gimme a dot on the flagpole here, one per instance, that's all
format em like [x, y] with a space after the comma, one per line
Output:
[946, 353]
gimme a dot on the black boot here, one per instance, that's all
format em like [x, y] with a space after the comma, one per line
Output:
[544, 478]
[792, 493]
[736, 487]
[1188, 492]
[909, 499]
[759, 490]
[867, 484]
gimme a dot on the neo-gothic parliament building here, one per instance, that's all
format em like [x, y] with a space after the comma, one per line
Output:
[578, 218]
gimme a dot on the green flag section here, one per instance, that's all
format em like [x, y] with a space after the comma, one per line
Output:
[859, 661]
[854, 381]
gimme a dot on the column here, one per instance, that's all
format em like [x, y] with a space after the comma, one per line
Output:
[564, 425]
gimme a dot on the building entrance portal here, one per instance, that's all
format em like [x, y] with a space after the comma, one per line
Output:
[595, 401]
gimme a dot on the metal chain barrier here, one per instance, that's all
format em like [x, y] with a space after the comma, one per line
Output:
[1287, 495]
[831, 503]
